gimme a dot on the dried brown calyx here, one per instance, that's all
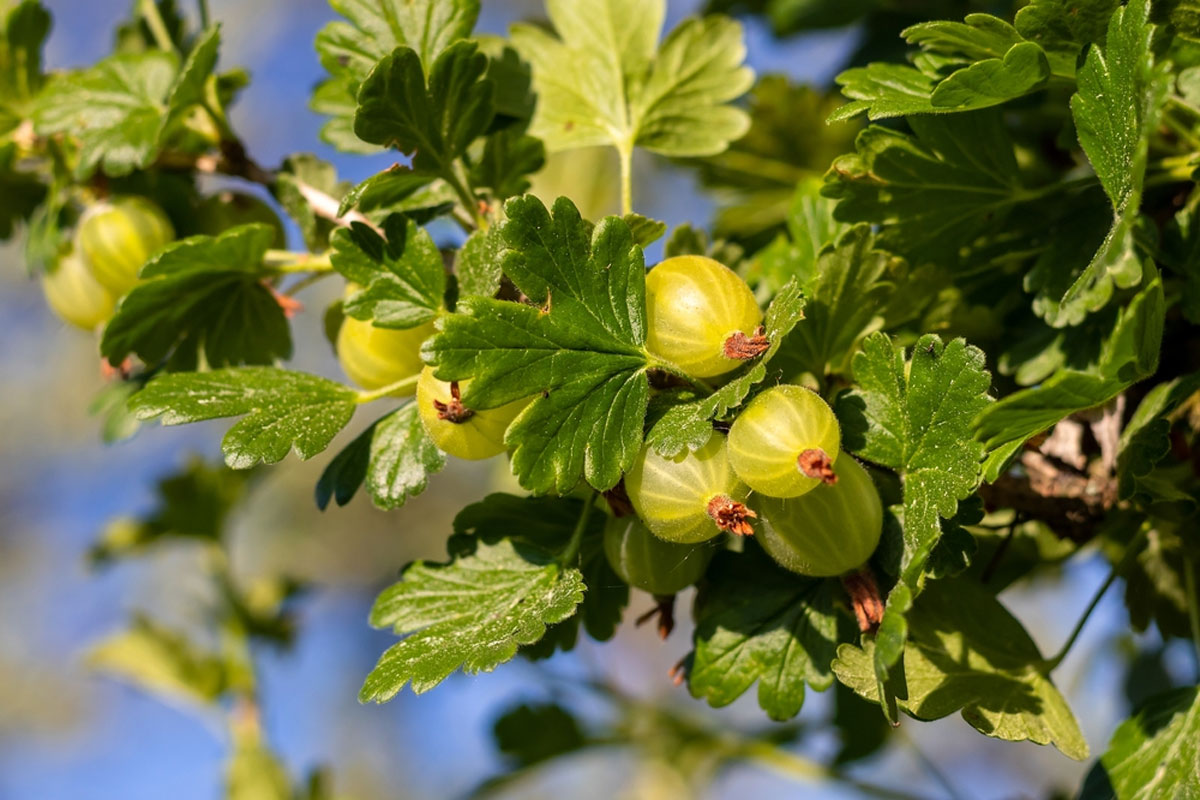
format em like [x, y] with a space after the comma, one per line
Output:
[618, 500]
[815, 463]
[744, 348]
[864, 599]
[664, 610]
[454, 411]
[731, 515]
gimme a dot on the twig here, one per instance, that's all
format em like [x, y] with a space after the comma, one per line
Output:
[1131, 552]
[326, 207]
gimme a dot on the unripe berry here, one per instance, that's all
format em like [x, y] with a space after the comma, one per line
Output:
[376, 357]
[830, 531]
[75, 295]
[467, 433]
[691, 497]
[785, 442]
[701, 317]
[649, 563]
[117, 236]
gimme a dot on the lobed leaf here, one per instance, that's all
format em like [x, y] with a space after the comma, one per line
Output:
[400, 274]
[470, 614]
[282, 410]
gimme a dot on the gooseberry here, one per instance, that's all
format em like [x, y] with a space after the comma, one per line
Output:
[75, 295]
[117, 236]
[467, 433]
[785, 442]
[829, 531]
[701, 317]
[691, 497]
[376, 357]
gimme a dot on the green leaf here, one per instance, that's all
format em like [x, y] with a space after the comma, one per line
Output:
[1145, 440]
[471, 614]
[1115, 111]
[478, 263]
[1062, 27]
[114, 109]
[207, 293]
[688, 425]
[530, 734]
[582, 354]
[189, 87]
[402, 457]
[372, 29]
[883, 91]
[847, 292]
[1156, 583]
[509, 157]
[436, 122]
[392, 187]
[160, 661]
[400, 272]
[758, 622]
[1024, 69]
[301, 171]
[932, 194]
[1153, 754]
[1129, 354]
[255, 773]
[966, 651]
[25, 28]
[756, 177]
[548, 523]
[646, 231]
[915, 418]
[600, 81]
[20, 193]
[283, 410]
[193, 503]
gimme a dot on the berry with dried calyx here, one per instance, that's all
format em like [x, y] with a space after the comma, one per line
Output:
[829, 531]
[701, 317]
[463, 432]
[691, 497]
[785, 442]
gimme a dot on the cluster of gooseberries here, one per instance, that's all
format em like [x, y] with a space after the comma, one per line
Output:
[115, 237]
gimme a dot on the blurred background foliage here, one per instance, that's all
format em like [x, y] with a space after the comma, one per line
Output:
[242, 591]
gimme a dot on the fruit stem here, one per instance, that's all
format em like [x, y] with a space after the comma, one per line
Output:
[202, 7]
[664, 609]
[384, 391]
[572, 549]
[158, 29]
[1131, 552]
[459, 184]
[284, 261]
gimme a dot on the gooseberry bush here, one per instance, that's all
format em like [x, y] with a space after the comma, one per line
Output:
[939, 340]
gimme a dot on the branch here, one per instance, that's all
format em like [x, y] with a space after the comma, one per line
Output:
[1069, 501]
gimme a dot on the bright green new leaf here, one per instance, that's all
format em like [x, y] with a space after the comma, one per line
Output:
[689, 425]
[470, 614]
[160, 661]
[758, 622]
[283, 410]
[1129, 355]
[915, 417]
[883, 90]
[966, 651]
[478, 264]
[190, 84]
[600, 81]
[203, 293]
[436, 123]
[372, 29]
[400, 273]
[115, 110]
[1155, 754]
[579, 351]
[1116, 110]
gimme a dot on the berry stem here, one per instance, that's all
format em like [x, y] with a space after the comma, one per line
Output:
[664, 609]
[571, 553]
[1131, 553]
[158, 29]
[625, 153]
[384, 391]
